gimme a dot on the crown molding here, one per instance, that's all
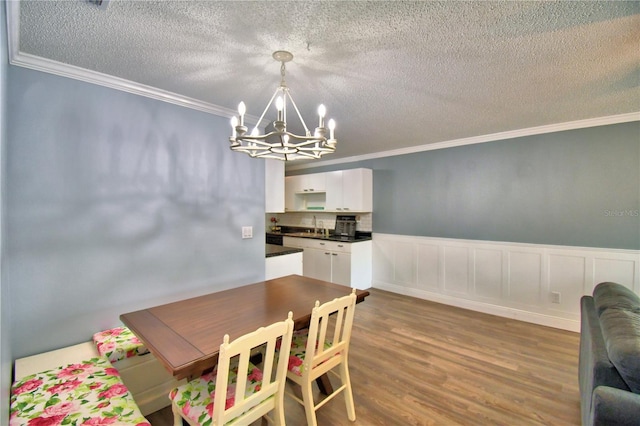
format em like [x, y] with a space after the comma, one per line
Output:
[38, 63]
[512, 134]
[26, 60]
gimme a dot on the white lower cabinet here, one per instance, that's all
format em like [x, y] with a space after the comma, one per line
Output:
[316, 264]
[337, 262]
[341, 268]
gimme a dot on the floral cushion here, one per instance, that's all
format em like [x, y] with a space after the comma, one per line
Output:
[89, 393]
[298, 351]
[196, 397]
[118, 343]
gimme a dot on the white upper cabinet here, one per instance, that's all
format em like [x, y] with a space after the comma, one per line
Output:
[350, 190]
[315, 182]
[291, 186]
[339, 191]
[274, 186]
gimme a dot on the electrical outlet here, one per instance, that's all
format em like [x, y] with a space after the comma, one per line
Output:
[555, 297]
[247, 232]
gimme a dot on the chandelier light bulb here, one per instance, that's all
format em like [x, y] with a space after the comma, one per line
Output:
[279, 107]
[242, 109]
[332, 126]
[321, 113]
[255, 132]
[234, 123]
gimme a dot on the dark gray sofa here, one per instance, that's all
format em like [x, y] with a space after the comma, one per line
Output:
[609, 371]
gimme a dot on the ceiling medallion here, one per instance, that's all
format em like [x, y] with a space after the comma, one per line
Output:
[279, 143]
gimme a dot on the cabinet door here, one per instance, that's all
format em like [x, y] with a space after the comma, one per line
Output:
[292, 184]
[316, 264]
[341, 268]
[314, 182]
[357, 190]
[274, 186]
[333, 181]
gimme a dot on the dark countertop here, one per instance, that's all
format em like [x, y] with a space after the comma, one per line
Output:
[302, 233]
[275, 250]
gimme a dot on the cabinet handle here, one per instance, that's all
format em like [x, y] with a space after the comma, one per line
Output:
[327, 253]
[334, 254]
[321, 244]
[340, 245]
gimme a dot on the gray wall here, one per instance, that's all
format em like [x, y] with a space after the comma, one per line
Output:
[574, 188]
[117, 202]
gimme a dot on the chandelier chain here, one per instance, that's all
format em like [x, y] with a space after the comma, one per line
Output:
[282, 69]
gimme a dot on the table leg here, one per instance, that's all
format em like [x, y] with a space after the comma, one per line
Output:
[324, 384]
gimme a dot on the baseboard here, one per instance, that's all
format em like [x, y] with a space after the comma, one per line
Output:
[501, 311]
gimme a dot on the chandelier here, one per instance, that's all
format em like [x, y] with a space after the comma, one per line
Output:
[279, 143]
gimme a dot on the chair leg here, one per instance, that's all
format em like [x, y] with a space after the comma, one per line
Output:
[278, 414]
[177, 417]
[309, 406]
[348, 395]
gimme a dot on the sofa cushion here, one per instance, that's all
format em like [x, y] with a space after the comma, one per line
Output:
[612, 295]
[621, 332]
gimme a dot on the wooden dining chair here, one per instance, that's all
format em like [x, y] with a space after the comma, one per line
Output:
[236, 390]
[309, 360]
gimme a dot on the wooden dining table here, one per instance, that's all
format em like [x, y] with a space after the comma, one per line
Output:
[185, 336]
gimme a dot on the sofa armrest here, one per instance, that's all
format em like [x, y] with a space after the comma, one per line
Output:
[611, 406]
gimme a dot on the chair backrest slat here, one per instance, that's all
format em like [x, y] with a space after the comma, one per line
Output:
[340, 310]
[240, 351]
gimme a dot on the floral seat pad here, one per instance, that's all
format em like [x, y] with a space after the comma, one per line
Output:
[196, 397]
[298, 351]
[118, 343]
[89, 393]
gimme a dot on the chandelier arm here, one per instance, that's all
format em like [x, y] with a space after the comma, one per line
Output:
[260, 138]
[299, 115]
[267, 108]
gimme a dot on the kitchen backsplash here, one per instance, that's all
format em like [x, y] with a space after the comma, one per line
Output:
[323, 220]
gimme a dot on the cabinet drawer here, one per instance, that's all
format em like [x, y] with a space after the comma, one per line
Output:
[293, 242]
[329, 245]
[316, 244]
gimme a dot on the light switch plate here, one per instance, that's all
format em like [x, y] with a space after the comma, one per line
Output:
[247, 232]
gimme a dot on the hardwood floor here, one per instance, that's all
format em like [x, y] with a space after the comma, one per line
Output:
[415, 362]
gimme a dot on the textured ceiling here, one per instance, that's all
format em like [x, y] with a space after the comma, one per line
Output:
[393, 74]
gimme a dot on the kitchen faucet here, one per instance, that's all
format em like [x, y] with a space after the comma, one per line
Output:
[315, 226]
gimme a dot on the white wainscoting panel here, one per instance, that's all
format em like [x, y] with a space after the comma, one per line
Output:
[405, 258]
[525, 277]
[614, 269]
[507, 279]
[457, 274]
[489, 273]
[428, 267]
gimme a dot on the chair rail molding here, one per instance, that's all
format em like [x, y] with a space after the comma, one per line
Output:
[540, 284]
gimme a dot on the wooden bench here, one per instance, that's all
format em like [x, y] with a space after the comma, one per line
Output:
[147, 380]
